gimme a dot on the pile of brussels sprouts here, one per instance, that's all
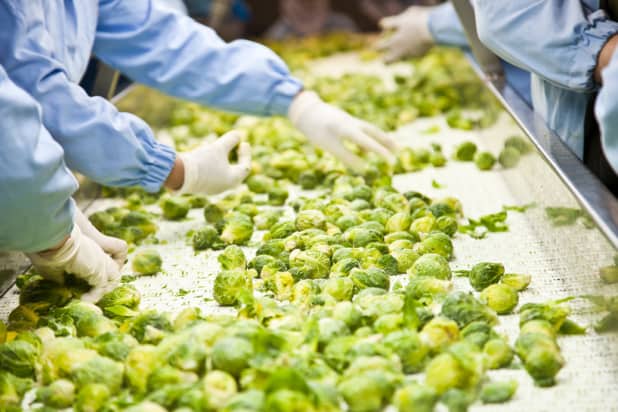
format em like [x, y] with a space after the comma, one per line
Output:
[347, 304]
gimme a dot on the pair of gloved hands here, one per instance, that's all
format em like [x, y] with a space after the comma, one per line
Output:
[98, 259]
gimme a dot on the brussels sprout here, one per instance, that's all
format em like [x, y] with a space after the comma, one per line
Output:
[412, 237]
[463, 308]
[218, 387]
[59, 394]
[232, 258]
[509, 157]
[114, 345]
[366, 392]
[432, 265]
[231, 355]
[518, 143]
[457, 400]
[498, 392]
[266, 219]
[98, 369]
[259, 183]
[379, 215]
[517, 282]
[348, 313]
[12, 389]
[465, 151]
[92, 397]
[385, 262]
[424, 224]
[553, 312]
[427, 289]
[230, 285]
[360, 204]
[87, 318]
[147, 262]
[283, 400]
[310, 219]
[541, 357]
[213, 214]
[437, 159]
[277, 196]
[461, 366]
[308, 180]
[19, 357]
[369, 278]
[415, 397]
[447, 225]
[207, 238]
[484, 160]
[500, 297]
[247, 401]
[330, 329]
[498, 353]
[399, 222]
[124, 296]
[358, 236]
[309, 264]
[130, 225]
[281, 230]
[145, 406]
[485, 274]
[410, 348]
[248, 209]
[339, 288]
[438, 243]
[304, 292]
[150, 326]
[439, 333]
[345, 222]
[344, 266]
[238, 229]
[405, 259]
[175, 208]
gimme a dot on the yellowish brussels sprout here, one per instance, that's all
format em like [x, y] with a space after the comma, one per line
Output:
[415, 397]
[509, 157]
[218, 387]
[439, 333]
[232, 258]
[484, 160]
[484, 274]
[541, 357]
[399, 222]
[259, 183]
[424, 224]
[516, 281]
[464, 309]
[405, 259]
[147, 262]
[230, 285]
[438, 243]
[59, 394]
[309, 264]
[283, 285]
[92, 397]
[410, 347]
[238, 229]
[431, 265]
[460, 366]
[341, 288]
[500, 297]
[310, 219]
[498, 353]
[447, 225]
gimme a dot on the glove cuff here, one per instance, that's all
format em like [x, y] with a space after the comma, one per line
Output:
[301, 103]
[59, 257]
[191, 175]
[424, 31]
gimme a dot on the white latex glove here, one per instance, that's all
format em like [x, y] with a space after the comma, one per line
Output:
[208, 170]
[328, 127]
[82, 257]
[116, 248]
[411, 37]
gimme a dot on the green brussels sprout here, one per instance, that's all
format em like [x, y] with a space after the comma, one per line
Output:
[308, 180]
[366, 392]
[437, 159]
[147, 262]
[553, 312]
[412, 237]
[59, 394]
[23, 317]
[399, 222]
[385, 262]
[87, 318]
[498, 392]
[98, 369]
[395, 202]
[185, 317]
[266, 219]
[150, 326]
[518, 143]
[388, 323]
[277, 196]
[431, 265]
[129, 225]
[348, 313]
[330, 329]
[438, 243]
[410, 348]
[541, 357]
[427, 289]
[141, 362]
[464, 308]
[484, 160]
[281, 230]
[447, 225]
[230, 285]
[238, 229]
[12, 389]
[19, 357]
[309, 264]
[360, 204]
[517, 282]
[232, 258]
[424, 224]
[274, 248]
[219, 386]
[465, 151]
[348, 221]
[405, 259]
[248, 209]
[485, 274]
[174, 208]
[369, 278]
[92, 397]
[359, 237]
[114, 345]
[461, 366]
[498, 353]
[439, 333]
[247, 401]
[344, 266]
[310, 219]
[500, 297]
[259, 183]
[509, 157]
[380, 215]
[124, 296]
[478, 332]
[231, 355]
[415, 397]
[196, 201]
[283, 283]
[457, 400]
[207, 238]
[339, 288]
[304, 292]
[283, 400]
[145, 406]
[213, 214]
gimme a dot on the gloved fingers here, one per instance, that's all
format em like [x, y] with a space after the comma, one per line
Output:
[346, 157]
[229, 140]
[381, 136]
[390, 22]
[97, 292]
[384, 43]
[56, 275]
[242, 169]
[358, 136]
[116, 248]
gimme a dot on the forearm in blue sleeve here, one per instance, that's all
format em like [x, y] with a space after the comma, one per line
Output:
[185, 59]
[557, 40]
[36, 211]
[445, 26]
[606, 110]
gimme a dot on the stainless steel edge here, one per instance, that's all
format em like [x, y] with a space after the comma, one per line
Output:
[592, 195]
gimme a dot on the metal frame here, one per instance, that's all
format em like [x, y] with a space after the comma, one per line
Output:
[587, 189]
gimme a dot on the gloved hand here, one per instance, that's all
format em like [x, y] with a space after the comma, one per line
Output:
[328, 127]
[411, 37]
[208, 170]
[82, 257]
[116, 248]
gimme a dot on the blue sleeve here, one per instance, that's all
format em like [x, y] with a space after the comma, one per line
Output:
[182, 58]
[445, 26]
[35, 185]
[606, 110]
[110, 147]
[557, 40]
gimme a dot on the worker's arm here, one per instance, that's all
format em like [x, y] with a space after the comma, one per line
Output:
[36, 211]
[108, 146]
[185, 59]
[559, 41]
[445, 26]
[606, 111]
